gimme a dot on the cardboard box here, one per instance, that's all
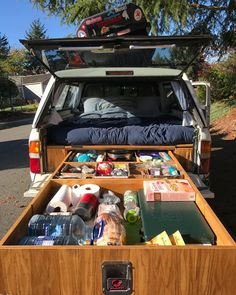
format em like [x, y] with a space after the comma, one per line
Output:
[177, 239]
[162, 240]
[168, 190]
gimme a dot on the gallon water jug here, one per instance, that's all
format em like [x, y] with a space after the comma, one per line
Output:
[56, 226]
[48, 241]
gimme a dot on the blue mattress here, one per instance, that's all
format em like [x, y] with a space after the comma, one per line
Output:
[124, 131]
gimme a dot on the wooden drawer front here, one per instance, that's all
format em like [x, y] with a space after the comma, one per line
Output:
[184, 155]
[55, 156]
[183, 271]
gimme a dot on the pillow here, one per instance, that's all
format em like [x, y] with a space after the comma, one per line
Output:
[93, 115]
[113, 113]
[90, 104]
[125, 103]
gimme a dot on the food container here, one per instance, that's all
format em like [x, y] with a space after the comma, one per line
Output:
[119, 155]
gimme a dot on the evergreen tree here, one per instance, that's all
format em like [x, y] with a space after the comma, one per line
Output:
[4, 47]
[4, 50]
[36, 31]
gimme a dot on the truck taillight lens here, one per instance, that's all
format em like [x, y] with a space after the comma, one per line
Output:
[205, 157]
[34, 156]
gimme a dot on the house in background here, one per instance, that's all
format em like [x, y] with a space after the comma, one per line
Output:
[33, 86]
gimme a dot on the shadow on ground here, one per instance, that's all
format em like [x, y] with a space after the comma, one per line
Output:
[14, 154]
[223, 181]
[15, 123]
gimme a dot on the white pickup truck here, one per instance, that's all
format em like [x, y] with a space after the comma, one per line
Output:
[119, 92]
[112, 97]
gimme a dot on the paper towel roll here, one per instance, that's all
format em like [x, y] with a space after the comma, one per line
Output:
[62, 200]
[75, 194]
[90, 189]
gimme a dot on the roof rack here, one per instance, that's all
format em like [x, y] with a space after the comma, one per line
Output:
[128, 19]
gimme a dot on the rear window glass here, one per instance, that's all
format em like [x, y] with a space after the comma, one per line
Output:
[66, 97]
[168, 57]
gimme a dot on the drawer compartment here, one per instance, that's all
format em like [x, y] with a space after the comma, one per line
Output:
[74, 269]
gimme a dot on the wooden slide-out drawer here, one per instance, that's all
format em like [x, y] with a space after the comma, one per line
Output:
[190, 269]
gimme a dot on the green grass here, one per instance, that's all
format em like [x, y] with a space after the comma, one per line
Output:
[25, 108]
[221, 108]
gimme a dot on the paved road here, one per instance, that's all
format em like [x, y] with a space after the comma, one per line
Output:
[14, 171]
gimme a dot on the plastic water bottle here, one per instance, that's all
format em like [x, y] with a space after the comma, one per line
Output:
[48, 241]
[57, 226]
[130, 197]
[131, 212]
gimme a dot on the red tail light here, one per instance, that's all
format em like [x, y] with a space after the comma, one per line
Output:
[205, 157]
[34, 165]
[34, 156]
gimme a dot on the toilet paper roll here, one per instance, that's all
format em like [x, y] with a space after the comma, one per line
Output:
[90, 189]
[61, 200]
[75, 194]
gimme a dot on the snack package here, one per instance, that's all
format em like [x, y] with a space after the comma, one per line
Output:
[162, 240]
[113, 232]
[177, 239]
[108, 204]
[167, 170]
[109, 215]
[168, 190]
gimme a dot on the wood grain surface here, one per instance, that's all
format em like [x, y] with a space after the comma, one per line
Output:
[65, 270]
[122, 147]
[156, 270]
[55, 156]
[184, 155]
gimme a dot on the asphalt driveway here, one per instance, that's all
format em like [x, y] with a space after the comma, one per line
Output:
[14, 171]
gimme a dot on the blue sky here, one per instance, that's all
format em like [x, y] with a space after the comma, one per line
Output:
[17, 15]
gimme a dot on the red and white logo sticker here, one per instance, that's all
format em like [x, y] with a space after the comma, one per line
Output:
[138, 14]
[81, 34]
[116, 284]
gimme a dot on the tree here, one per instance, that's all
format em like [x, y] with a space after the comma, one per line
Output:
[4, 47]
[4, 50]
[222, 77]
[8, 90]
[11, 60]
[16, 60]
[36, 31]
[217, 17]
